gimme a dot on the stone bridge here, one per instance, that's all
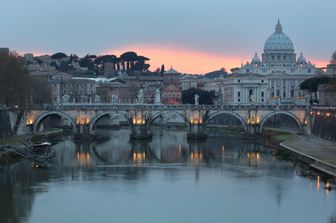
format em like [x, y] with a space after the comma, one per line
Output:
[84, 117]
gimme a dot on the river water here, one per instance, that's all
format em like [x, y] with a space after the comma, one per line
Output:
[165, 180]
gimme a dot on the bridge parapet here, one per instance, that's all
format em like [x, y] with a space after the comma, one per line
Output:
[254, 115]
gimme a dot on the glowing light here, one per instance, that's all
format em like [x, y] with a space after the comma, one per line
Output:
[253, 157]
[83, 158]
[138, 156]
[253, 120]
[83, 120]
[138, 120]
[311, 113]
[328, 114]
[196, 157]
[318, 113]
[30, 121]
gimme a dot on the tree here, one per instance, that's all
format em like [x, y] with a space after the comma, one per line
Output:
[333, 58]
[41, 91]
[15, 83]
[205, 97]
[162, 69]
[58, 56]
[311, 84]
[128, 59]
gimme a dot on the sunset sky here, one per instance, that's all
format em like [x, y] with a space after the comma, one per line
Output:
[192, 36]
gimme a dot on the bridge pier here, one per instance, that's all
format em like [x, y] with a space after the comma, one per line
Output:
[83, 129]
[140, 132]
[140, 128]
[196, 128]
[253, 125]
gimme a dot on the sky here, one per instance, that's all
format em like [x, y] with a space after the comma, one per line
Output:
[193, 36]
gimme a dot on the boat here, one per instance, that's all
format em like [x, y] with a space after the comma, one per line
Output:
[42, 148]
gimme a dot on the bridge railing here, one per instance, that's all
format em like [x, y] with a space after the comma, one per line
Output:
[105, 106]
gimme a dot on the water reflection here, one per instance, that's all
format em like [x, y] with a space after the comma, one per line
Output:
[228, 173]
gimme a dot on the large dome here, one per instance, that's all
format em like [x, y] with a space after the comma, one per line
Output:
[279, 41]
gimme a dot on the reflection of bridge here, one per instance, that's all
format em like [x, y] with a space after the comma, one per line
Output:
[84, 117]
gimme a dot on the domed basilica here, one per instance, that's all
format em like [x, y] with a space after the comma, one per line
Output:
[273, 78]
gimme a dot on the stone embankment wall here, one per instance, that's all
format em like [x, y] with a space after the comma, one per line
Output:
[325, 127]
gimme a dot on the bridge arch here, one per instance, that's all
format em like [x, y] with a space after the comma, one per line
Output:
[213, 115]
[44, 115]
[291, 115]
[96, 118]
[158, 115]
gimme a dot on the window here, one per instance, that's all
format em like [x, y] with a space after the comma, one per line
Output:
[250, 92]
[292, 93]
[238, 99]
[262, 94]
[238, 80]
[238, 94]
[262, 100]
[278, 93]
[284, 94]
[262, 81]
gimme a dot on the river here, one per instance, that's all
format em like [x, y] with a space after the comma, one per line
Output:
[165, 180]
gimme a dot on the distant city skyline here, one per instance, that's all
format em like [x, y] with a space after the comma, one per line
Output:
[193, 37]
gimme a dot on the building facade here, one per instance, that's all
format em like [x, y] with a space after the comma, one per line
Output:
[275, 77]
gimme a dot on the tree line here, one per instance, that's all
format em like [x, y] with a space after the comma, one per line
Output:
[128, 61]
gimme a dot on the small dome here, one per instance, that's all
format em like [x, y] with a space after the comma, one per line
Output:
[171, 71]
[256, 60]
[301, 60]
[278, 41]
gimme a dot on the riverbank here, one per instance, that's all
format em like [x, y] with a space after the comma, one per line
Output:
[318, 153]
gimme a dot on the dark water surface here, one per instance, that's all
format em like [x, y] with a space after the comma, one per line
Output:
[165, 180]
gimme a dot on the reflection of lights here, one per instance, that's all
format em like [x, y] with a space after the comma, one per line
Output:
[311, 113]
[139, 156]
[196, 157]
[83, 120]
[328, 186]
[318, 184]
[83, 158]
[305, 122]
[253, 157]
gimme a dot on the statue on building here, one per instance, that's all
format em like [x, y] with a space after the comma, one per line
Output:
[65, 98]
[97, 99]
[140, 97]
[157, 97]
[114, 99]
[196, 99]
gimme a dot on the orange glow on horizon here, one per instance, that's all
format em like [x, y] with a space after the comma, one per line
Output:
[182, 59]
[186, 60]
